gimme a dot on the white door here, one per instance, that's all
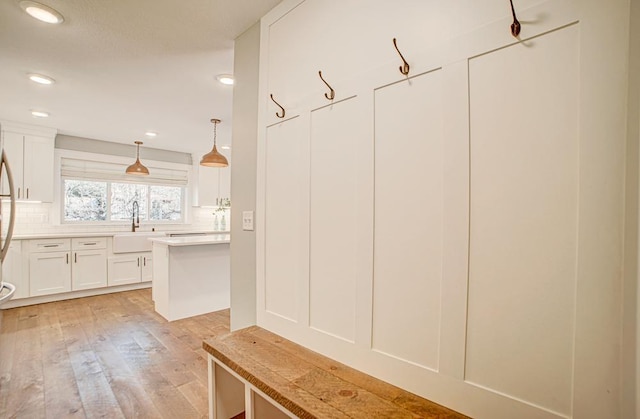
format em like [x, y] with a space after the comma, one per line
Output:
[38, 168]
[12, 270]
[208, 185]
[147, 267]
[13, 148]
[124, 269]
[89, 269]
[224, 186]
[49, 273]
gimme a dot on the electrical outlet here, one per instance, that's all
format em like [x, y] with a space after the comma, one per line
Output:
[247, 220]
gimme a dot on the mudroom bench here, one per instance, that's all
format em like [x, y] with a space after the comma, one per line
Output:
[254, 373]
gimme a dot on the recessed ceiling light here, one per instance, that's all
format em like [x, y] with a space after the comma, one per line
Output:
[41, 12]
[225, 79]
[150, 134]
[41, 79]
[40, 114]
[225, 147]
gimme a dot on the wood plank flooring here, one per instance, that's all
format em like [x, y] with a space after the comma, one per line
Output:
[108, 356]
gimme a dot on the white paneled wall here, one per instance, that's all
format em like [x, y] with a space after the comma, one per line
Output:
[445, 230]
[524, 218]
[335, 203]
[286, 181]
[407, 273]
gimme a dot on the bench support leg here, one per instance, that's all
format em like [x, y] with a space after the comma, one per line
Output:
[248, 403]
[212, 386]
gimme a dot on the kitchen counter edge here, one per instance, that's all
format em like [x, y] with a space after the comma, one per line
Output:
[192, 240]
[104, 234]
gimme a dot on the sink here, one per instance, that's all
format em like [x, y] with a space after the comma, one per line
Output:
[133, 242]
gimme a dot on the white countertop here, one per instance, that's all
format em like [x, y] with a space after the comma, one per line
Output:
[192, 240]
[61, 235]
[103, 234]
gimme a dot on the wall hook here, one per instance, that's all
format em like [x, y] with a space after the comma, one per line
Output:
[515, 26]
[404, 69]
[332, 93]
[281, 108]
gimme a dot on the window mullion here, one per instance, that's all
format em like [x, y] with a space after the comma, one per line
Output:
[109, 202]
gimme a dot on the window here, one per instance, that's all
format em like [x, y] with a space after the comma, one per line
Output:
[87, 200]
[100, 191]
[122, 197]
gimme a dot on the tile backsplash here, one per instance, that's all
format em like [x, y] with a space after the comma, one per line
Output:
[38, 218]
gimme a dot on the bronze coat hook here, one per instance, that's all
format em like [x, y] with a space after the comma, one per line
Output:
[281, 108]
[332, 93]
[404, 69]
[515, 26]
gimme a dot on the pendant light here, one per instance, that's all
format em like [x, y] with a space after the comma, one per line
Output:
[214, 158]
[137, 168]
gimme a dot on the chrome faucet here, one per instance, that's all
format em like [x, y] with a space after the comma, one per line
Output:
[135, 216]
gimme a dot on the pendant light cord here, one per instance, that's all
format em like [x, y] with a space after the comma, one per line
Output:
[215, 133]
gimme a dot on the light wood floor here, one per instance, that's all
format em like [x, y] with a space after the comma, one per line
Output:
[110, 356]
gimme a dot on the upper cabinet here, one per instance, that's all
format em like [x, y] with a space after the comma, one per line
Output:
[214, 185]
[29, 151]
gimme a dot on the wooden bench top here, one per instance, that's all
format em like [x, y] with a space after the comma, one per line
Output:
[311, 385]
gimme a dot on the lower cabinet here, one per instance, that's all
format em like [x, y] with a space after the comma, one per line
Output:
[130, 268]
[89, 269]
[63, 265]
[49, 273]
[89, 263]
[12, 270]
[43, 267]
[147, 267]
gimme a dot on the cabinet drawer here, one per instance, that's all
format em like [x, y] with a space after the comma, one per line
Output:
[88, 243]
[49, 245]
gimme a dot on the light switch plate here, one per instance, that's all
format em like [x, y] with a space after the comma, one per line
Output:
[247, 220]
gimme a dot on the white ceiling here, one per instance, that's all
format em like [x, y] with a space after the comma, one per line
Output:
[124, 67]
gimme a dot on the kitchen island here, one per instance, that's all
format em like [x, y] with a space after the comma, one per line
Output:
[191, 275]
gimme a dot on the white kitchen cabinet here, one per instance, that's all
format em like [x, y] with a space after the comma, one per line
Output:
[49, 273]
[129, 268]
[214, 184]
[147, 267]
[89, 269]
[12, 270]
[224, 183]
[208, 186]
[38, 168]
[63, 265]
[31, 160]
[13, 145]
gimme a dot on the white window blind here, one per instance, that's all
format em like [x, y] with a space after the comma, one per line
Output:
[97, 170]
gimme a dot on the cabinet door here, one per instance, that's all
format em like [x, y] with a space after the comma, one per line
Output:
[38, 168]
[147, 267]
[12, 270]
[89, 269]
[224, 183]
[13, 146]
[49, 273]
[124, 269]
[208, 185]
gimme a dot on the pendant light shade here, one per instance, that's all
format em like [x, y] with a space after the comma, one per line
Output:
[137, 168]
[214, 158]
